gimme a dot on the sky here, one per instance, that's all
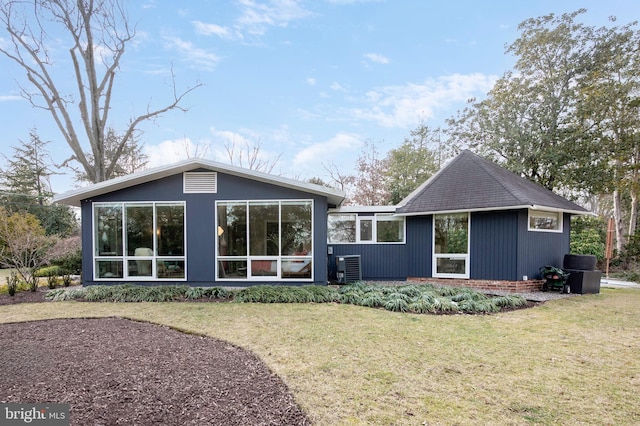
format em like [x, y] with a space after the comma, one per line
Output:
[307, 81]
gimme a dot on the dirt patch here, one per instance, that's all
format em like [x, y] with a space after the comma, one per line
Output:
[24, 297]
[116, 371]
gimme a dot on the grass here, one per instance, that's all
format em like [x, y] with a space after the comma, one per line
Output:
[570, 361]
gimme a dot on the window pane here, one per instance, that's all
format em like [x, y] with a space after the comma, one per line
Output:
[296, 268]
[451, 233]
[170, 268]
[170, 229]
[543, 220]
[232, 269]
[232, 229]
[140, 268]
[450, 266]
[390, 230]
[139, 230]
[264, 268]
[109, 268]
[108, 228]
[296, 228]
[366, 230]
[341, 228]
[264, 229]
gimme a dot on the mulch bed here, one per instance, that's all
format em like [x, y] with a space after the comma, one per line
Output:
[113, 371]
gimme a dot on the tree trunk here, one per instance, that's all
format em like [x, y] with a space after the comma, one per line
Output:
[633, 213]
[621, 239]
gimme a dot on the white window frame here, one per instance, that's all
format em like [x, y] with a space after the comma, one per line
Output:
[545, 213]
[125, 258]
[249, 258]
[452, 256]
[377, 217]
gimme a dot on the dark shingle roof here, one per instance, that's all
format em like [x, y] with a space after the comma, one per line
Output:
[470, 182]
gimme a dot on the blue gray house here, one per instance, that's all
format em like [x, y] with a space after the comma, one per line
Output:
[472, 220]
[199, 222]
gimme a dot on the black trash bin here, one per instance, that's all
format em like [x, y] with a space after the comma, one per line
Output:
[583, 278]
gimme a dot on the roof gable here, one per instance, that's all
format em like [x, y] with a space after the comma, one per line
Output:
[74, 197]
[470, 182]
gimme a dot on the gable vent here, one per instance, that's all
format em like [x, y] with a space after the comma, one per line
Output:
[200, 182]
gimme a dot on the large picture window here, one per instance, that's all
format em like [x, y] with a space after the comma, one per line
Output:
[265, 240]
[141, 241]
[451, 245]
[343, 228]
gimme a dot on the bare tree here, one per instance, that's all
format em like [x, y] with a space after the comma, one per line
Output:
[97, 33]
[131, 159]
[341, 180]
[370, 180]
[250, 156]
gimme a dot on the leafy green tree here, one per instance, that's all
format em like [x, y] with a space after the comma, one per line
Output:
[26, 187]
[412, 163]
[610, 100]
[588, 236]
[527, 121]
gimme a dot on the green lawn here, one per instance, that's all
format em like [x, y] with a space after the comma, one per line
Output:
[571, 361]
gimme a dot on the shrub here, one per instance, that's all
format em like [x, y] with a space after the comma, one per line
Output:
[66, 280]
[12, 283]
[52, 280]
[396, 304]
[373, 300]
[67, 255]
[48, 271]
[510, 301]
[421, 306]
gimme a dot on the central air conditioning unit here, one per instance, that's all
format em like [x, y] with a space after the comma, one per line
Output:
[349, 269]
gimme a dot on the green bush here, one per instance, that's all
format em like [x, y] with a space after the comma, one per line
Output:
[52, 280]
[47, 271]
[12, 283]
[415, 298]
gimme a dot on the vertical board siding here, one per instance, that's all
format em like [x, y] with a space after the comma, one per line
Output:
[419, 246]
[493, 245]
[201, 229]
[392, 261]
[538, 249]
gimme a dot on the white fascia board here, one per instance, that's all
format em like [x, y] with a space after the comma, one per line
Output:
[488, 209]
[364, 209]
[74, 197]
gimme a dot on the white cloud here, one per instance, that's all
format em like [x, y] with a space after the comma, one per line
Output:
[212, 29]
[256, 18]
[404, 106]
[311, 81]
[376, 57]
[327, 151]
[8, 98]
[172, 150]
[337, 87]
[197, 57]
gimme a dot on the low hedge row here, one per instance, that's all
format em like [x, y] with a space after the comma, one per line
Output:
[419, 299]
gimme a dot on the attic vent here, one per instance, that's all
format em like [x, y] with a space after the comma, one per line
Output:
[200, 182]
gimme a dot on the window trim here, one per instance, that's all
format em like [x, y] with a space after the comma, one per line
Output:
[375, 218]
[452, 256]
[249, 258]
[559, 215]
[125, 257]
